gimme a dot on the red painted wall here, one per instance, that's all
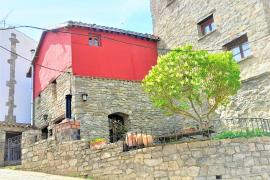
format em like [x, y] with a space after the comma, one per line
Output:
[54, 52]
[115, 60]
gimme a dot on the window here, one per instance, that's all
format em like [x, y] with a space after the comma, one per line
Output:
[207, 25]
[240, 48]
[94, 40]
[54, 89]
[44, 132]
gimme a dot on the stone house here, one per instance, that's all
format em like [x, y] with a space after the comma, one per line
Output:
[92, 75]
[242, 27]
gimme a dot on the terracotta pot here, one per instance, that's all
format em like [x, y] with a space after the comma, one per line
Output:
[131, 139]
[147, 140]
[189, 130]
[97, 145]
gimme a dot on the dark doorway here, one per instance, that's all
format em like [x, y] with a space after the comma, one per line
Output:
[13, 148]
[44, 132]
[117, 126]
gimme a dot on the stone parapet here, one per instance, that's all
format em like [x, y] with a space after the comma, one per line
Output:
[67, 130]
[228, 159]
[67, 124]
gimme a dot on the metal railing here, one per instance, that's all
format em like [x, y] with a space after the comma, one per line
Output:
[247, 124]
[143, 138]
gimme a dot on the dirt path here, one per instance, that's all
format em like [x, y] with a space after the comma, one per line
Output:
[7, 174]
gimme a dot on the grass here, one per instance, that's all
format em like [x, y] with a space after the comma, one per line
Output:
[241, 134]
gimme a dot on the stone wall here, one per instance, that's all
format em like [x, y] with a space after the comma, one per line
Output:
[106, 96]
[252, 100]
[176, 24]
[2, 147]
[237, 159]
[51, 101]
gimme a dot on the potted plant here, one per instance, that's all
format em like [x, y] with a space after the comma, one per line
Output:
[97, 143]
[189, 129]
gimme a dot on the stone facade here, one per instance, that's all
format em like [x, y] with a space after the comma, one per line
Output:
[236, 159]
[176, 23]
[51, 101]
[105, 97]
[252, 100]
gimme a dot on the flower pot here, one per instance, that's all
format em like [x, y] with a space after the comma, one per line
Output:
[189, 130]
[97, 145]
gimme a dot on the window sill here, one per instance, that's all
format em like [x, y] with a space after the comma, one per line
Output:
[202, 37]
[246, 58]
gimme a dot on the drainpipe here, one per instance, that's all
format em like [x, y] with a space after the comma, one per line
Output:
[32, 95]
[32, 87]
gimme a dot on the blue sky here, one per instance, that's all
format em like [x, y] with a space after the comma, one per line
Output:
[126, 14]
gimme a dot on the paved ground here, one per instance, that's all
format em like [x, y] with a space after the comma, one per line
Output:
[7, 174]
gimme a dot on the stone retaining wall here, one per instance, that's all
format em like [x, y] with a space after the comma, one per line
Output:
[228, 159]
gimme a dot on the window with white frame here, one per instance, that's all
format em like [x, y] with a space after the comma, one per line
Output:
[207, 25]
[240, 48]
[94, 40]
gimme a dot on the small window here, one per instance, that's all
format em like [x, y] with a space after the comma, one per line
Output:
[94, 40]
[44, 132]
[207, 25]
[240, 48]
[54, 89]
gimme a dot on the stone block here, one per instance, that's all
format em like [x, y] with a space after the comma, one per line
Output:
[216, 170]
[159, 174]
[169, 149]
[153, 162]
[193, 171]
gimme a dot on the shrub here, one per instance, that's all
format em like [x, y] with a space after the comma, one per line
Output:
[192, 83]
[241, 134]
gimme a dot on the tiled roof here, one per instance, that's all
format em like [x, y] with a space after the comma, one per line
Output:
[109, 29]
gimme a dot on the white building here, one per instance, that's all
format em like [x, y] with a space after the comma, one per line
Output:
[15, 87]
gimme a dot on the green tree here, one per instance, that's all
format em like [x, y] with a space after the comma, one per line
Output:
[192, 83]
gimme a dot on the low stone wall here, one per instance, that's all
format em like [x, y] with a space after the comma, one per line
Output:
[226, 159]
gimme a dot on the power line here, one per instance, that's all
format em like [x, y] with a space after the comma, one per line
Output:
[7, 50]
[105, 37]
[161, 49]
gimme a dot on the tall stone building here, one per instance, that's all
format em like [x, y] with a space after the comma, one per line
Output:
[242, 27]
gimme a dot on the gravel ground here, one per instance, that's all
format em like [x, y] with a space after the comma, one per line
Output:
[7, 174]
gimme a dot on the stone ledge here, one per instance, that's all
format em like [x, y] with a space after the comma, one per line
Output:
[267, 73]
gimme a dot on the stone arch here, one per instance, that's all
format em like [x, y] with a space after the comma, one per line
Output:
[119, 110]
